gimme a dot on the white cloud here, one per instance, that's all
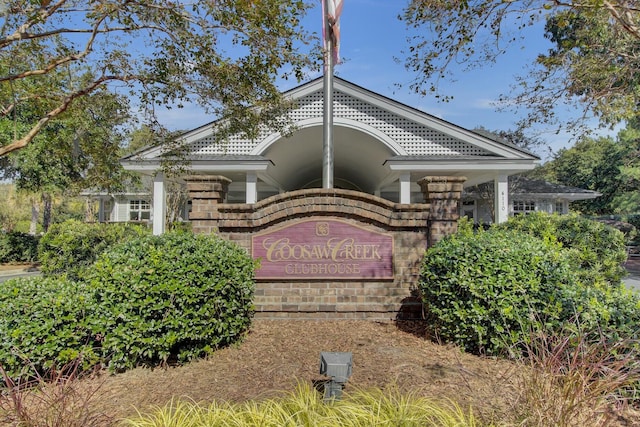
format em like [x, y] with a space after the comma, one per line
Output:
[485, 104]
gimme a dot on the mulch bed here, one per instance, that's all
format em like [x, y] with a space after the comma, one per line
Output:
[277, 354]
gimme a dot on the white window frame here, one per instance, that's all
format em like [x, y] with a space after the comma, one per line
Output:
[523, 207]
[142, 209]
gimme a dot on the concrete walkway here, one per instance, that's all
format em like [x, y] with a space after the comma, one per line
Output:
[18, 272]
[633, 267]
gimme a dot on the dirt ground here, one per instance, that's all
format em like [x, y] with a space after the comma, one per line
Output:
[18, 266]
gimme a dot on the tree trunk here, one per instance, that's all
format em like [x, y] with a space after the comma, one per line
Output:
[35, 214]
[46, 211]
[89, 211]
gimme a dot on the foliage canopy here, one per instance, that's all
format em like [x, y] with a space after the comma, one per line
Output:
[593, 61]
[610, 166]
[225, 55]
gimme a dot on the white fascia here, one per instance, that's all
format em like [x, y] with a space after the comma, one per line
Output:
[462, 165]
[305, 89]
[203, 166]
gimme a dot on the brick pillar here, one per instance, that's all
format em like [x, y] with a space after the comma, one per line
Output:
[443, 193]
[206, 193]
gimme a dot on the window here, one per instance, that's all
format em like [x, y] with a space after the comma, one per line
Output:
[139, 210]
[523, 207]
[559, 207]
[468, 210]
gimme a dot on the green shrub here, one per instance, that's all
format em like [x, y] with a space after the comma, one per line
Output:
[45, 323]
[71, 246]
[18, 247]
[597, 251]
[489, 291]
[175, 296]
[627, 229]
[613, 312]
[486, 291]
[149, 300]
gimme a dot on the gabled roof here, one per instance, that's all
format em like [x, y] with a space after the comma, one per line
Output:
[376, 140]
[413, 129]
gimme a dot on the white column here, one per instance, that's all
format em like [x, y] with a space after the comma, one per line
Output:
[405, 187]
[501, 203]
[252, 188]
[159, 204]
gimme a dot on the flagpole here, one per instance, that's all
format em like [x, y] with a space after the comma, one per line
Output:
[327, 134]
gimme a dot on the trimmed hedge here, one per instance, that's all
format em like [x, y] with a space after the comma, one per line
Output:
[18, 247]
[71, 246]
[45, 322]
[148, 301]
[491, 290]
[487, 291]
[175, 296]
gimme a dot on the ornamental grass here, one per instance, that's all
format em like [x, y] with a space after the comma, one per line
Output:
[305, 407]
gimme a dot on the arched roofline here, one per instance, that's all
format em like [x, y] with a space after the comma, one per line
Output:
[339, 121]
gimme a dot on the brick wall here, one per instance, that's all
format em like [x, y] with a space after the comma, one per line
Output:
[412, 226]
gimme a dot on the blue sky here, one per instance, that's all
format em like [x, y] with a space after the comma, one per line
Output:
[372, 37]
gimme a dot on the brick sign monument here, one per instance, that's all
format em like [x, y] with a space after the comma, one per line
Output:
[323, 249]
[330, 253]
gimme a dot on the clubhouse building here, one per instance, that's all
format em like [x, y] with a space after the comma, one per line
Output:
[354, 250]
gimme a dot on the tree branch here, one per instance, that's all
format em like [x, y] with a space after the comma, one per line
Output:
[626, 21]
[43, 14]
[66, 102]
[60, 61]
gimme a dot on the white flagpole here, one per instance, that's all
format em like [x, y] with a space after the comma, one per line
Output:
[327, 134]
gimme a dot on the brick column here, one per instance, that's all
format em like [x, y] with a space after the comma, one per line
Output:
[443, 193]
[206, 193]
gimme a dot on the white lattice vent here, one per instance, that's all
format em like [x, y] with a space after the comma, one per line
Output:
[415, 138]
[236, 144]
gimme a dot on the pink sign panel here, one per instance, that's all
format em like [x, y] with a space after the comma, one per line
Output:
[323, 249]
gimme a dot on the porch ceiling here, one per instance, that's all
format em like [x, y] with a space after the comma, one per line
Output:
[358, 159]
